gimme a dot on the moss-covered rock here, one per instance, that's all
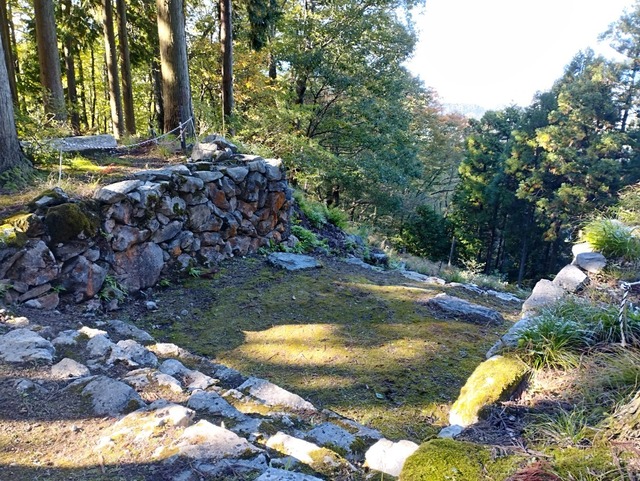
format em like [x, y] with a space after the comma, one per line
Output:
[449, 460]
[11, 237]
[493, 380]
[67, 221]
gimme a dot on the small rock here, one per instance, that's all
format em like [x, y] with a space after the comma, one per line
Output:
[99, 346]
[592, 262]
[66, 338]
[111, 397]
[129, 330]
[450, 432]
[206, 442]
[273, 395]
[151, 305]
[212, 403]
[68, 368]
[416, 276]
[389, 457]
[133, 354]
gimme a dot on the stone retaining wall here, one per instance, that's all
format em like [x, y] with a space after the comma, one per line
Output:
[132, 231]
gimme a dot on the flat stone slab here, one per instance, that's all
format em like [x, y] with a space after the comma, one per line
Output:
[293, 262]
[544, 293]
[84, 143]
[457, 308]
[212, 403]
[389, 457]
[24, 345]
[416, 276]
[273, 395]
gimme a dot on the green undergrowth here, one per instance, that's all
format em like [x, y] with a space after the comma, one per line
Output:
[345, 338]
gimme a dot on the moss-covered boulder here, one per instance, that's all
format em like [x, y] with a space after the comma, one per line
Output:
[449, 460]
[493, 380]
[66, 221]
[48, 198]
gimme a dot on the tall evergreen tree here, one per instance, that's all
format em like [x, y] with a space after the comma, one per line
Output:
[49, 59]
[111, 58]
[176, 90]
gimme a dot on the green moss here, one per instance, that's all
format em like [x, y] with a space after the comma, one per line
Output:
[56, 194]
[67, 221]
[577, 463]
[449, 460]
[493, 380]
[11, 237]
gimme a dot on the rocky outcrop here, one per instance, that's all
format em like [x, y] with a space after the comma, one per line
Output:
[134, 230]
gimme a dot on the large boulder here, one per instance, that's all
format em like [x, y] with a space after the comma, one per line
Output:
[592, 262]
[571, 278]
[454, 307]
[140, 266]
[34, 265]
[544, 294]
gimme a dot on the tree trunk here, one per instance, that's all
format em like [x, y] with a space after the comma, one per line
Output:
[5, 34]
[176, 91]
[226, 44]
[11, 156]
[72, 91]
[523, 259]
[125, 69]
[49, 59]
[83, 93]
[94, 92]
[115, 99]
[157, 94]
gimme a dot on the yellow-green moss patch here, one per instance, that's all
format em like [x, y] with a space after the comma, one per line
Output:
[493, 380]
[449, 460]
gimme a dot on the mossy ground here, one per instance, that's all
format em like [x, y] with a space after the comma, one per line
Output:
[346, 338]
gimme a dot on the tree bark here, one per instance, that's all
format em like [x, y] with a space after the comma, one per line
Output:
[115, 98]
[5, 34]
[49, 59]
[226, 45]
[125, 69]
[72, 91]
[176, 91]
[157, 94]
[11, 156]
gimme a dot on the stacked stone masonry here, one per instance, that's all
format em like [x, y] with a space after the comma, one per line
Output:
[134, 230]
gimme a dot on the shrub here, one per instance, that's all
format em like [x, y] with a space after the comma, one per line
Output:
[553, 342]
[308, 240]
[612, 238]
[428, 234]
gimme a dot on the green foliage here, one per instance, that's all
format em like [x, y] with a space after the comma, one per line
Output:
[566, 329]
[308, 240]
[428, 234]
[337, 217]
[564, 428]
[112, 289]
[612, 238]
[552, 343]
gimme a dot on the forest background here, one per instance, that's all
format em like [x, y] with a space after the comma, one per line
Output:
[323, 85]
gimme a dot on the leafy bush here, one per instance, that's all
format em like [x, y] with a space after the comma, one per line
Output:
[315, 212]
[612, 238]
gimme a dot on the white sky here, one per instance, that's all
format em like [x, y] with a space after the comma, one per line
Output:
[494, 53]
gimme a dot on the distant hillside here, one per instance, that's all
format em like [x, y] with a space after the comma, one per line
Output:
[468, 110]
